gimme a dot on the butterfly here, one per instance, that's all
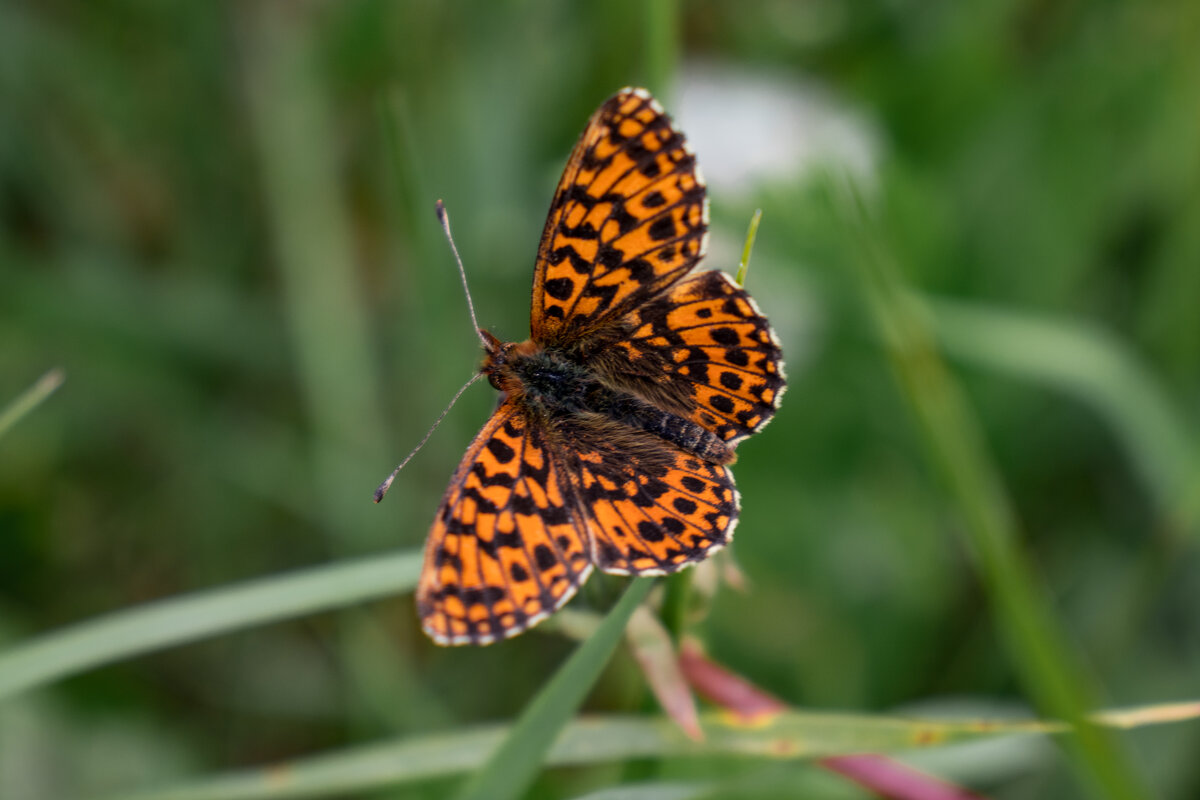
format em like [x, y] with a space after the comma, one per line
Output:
[618, 418]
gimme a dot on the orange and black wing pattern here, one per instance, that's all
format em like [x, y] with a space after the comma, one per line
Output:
[610, 447]
[712, 350]
[651, 508]
[507, 547]
[629, 218]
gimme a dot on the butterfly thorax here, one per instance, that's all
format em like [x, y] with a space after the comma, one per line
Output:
[558, 389]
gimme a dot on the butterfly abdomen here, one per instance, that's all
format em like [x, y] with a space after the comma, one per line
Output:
[558, 388]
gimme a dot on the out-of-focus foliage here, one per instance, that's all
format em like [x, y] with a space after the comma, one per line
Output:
[217, 219]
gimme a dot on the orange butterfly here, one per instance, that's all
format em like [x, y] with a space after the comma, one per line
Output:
[620, 414]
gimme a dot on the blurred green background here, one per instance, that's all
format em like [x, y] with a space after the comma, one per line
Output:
[217, 218]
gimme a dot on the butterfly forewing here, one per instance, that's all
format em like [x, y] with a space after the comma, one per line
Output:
[629, 218]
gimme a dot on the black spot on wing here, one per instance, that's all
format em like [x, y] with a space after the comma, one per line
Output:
[650, 532]
[544, 557]
[725, 336]
[559, 288]
[721, 403]
[684, 505]
[500, 450]
[737, 357]
[662, 228]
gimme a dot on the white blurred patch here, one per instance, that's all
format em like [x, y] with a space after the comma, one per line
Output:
[748, 128]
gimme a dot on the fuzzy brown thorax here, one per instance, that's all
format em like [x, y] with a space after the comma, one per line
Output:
[559, 388]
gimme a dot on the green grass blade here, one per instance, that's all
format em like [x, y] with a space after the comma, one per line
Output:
[293, 126]
[748, 247]
[1099, 371]
[30, 399]
[153, 626]
[788, 736]
[661, 34]
[1051, 672]
[662, 790]
[514, 765]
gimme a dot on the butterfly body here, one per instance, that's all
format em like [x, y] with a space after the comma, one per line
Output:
[561, 392]
[619, 416]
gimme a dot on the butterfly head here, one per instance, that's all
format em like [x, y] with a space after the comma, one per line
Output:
[498, 358]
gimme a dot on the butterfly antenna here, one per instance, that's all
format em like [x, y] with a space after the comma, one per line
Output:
[444, 218]
[383, 487]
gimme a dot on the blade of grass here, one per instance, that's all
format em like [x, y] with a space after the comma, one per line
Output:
[787, 736]
[748, 247]
[186, 618]
[30, 399]
[515, 763]
[661, 27]
[1051, 672]
[1099, 371]
[662, 790]
[294, 127]
[676, 599]
[876, 773]
[768, 780]
[655, 653]
[294, 132]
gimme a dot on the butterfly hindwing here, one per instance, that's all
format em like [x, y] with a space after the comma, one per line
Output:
[651, 508]
[629, 218]
[507, 548]
[712, 350]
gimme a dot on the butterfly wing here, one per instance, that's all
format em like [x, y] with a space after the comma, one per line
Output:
[651, 508]
[629, 218]
[706, 352]
[506, 548]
